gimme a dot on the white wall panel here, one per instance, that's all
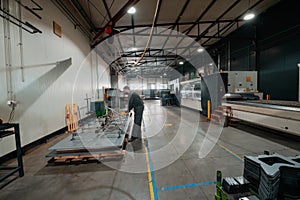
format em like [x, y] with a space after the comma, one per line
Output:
[46, 90]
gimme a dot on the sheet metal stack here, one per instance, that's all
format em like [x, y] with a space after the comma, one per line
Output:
[273, 176]
[235, 185]
[230, 185]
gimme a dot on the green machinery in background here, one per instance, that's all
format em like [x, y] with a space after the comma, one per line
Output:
[99, 107]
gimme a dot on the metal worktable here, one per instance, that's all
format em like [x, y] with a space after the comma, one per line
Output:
[94, 140]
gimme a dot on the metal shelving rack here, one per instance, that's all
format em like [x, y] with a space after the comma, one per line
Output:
[5, 130]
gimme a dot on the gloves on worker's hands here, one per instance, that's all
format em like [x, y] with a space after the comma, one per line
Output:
[129, 113]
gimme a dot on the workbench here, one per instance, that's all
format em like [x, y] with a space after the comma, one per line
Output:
[95, 139]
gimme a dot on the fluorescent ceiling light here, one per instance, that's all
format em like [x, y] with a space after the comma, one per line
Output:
[165, 74]
[211, 64]
[181, 63]
[249, 16]
[200, 50]
[131, 10]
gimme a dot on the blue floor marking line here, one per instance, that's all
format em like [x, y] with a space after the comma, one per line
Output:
[191, 185]
[152, 173]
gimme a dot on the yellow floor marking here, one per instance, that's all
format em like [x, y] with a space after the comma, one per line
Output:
[231, 152]
[149, 175]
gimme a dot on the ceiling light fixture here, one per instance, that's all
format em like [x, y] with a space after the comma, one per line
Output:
[131, 10]
[200, 50]
[165, 74]
[211, 64]
[249, 16]
[181, 63]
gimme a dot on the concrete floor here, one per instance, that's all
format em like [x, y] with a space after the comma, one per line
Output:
[173, 151]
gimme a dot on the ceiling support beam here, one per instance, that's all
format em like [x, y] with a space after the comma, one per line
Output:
[114, 20]
[83, 14]
[181, 24]
[158, 11]
[212, 25]
[180, 36]
[177, 21]
[107, 9]
[187, 31]
[146, 26]
[181, 13]
[228, 26]
[219, 18]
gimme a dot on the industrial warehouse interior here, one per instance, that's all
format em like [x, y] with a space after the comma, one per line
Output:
[150, 99]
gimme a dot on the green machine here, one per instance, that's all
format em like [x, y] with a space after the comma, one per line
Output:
[99, 108]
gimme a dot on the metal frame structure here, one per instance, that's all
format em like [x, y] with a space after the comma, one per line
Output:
[222, 26]
[99, 31]
[14, 20]
[158, 57]
[5, 131]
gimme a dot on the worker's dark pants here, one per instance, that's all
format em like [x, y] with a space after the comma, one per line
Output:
[138, 118]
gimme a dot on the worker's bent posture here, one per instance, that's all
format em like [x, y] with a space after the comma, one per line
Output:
[136, 103]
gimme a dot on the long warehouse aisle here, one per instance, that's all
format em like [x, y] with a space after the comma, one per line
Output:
[188, 177]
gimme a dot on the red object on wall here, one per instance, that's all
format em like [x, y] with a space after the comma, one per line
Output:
[108, 30]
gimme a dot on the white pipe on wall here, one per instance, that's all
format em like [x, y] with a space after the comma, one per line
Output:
[21, 41]
[7, 50]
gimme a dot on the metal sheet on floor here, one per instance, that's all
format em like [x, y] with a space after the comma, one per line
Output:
[89, 141]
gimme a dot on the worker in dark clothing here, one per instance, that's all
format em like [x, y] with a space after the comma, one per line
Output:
[136, 103]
